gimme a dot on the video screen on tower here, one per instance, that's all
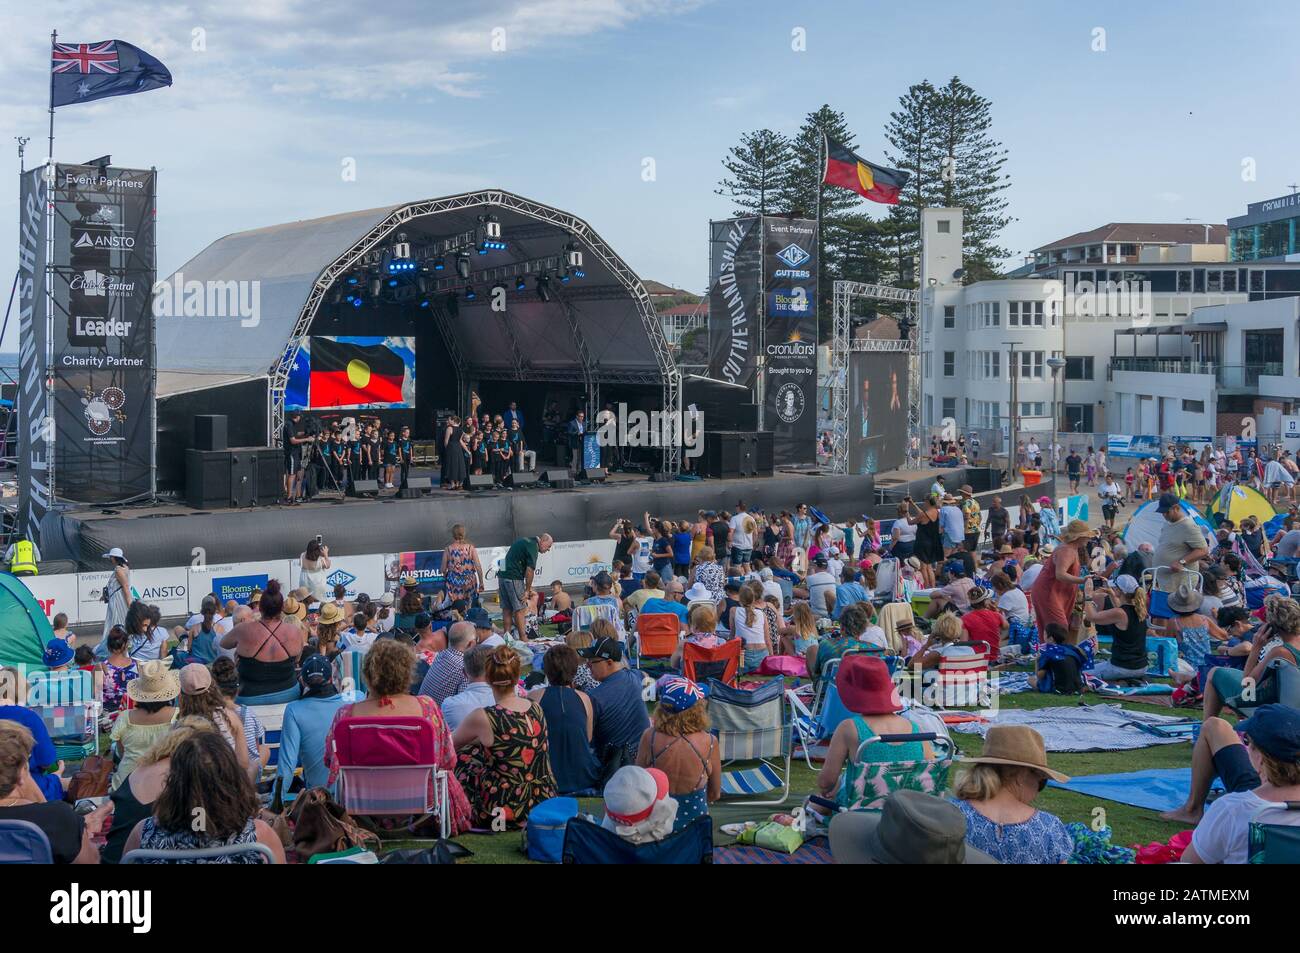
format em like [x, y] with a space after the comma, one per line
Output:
[352, 373]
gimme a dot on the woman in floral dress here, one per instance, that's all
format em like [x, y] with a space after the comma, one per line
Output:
[504, 763]
[461, 568]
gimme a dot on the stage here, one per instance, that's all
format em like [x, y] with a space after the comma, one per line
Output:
[167, 535]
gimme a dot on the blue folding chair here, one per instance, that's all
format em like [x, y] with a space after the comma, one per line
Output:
[22, 842]
[586, 842]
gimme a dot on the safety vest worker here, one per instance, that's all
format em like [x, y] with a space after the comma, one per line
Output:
[23, 562]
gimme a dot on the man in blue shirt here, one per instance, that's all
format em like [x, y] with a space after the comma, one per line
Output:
[617, 705]
[512, 414]
[848, 592]
[306, 723]
[671, 602]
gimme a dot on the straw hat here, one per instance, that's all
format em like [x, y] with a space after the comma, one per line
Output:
[1075, 530]
[1019, 746]
[1006, 550]
[156, 683]
[292, 607]
[330, 613]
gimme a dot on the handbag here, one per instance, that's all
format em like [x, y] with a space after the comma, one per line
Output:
[321, 825]
[91, 779]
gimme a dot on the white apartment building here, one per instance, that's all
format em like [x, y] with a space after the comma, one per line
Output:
[1086, 301]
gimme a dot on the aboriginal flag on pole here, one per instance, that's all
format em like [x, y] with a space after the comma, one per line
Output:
[848, 170]
[345, 375]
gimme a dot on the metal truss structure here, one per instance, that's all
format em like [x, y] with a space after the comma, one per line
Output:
[369, 246]
[844, 293]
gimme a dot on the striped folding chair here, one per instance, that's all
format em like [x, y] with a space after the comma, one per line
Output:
[347, 669]
[584, 615]
[753, 726]
[387, 766]
[70, 704]
[963, 680]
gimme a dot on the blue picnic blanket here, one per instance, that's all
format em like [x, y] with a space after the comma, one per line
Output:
[1156, 789]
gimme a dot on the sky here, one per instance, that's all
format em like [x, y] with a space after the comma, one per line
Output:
[1159, 111]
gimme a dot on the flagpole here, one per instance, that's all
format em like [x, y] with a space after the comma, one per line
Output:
[54, 38]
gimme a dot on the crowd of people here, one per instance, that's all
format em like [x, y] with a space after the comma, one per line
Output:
[549, 704]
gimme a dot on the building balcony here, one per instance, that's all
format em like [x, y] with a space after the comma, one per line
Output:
[1226, 376]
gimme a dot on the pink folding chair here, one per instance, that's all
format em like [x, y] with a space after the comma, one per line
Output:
[387, 766]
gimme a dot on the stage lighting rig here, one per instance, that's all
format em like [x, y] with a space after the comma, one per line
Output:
[544, 287]
[462, 265]
[440, 264]
[470, 293]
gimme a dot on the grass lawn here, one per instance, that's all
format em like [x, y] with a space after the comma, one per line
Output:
[1130, 825]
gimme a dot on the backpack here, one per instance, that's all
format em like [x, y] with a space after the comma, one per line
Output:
[91, 779]
[544, 835]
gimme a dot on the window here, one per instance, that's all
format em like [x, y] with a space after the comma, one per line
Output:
[1256, 280]
[949, 408]
[1193, 406]
[990, 364]
[950, 364]
[1025, 314]
[1030, 365]
[1033, 408]
[987, 414]
[990, 314]
[929, 409]
[927, 366]
[944, 226]
[1184, 281]
[1078, 368]
[949, 316]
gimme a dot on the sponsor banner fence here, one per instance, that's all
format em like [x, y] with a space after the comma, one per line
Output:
[238, 580]
[102, 350]
[179, 590]
[789, 338]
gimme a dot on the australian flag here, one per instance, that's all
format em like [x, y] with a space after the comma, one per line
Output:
[85, 71]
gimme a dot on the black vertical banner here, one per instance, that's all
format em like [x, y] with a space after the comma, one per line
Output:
[877, 411]
[103, 335]
[33, 354]
[735, 290]
[790, 338]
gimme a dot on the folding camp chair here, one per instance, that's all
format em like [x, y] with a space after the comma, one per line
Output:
[584, 615]
[1288, 688]
[1275, 843]
[271, 718]
[70, 704]
[387, 767]
[656, 636]
[888, 581]
[753, 726]
[813, 726]
[348, 672]
[22, 842]
[876, 781]
[586, 842]
[721, 663]
[199, 854]
[1159, 581]
[963, 680]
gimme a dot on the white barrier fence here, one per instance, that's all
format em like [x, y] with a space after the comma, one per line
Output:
[179, 590]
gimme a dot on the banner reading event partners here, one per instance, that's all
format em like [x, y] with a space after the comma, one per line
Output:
[735, 290]
[790, 338]
[102, 341]
[33, 355]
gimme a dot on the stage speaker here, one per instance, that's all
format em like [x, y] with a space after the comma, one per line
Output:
[983, 479]
[595, 476]
[523, 478]
[207, 479]
[270, 476]
[765, 456]
[243, 478]
[479, 481]
[416, 486]
[556, 476]
[210, 432]
[661, 476]
[218, 479]
[729, 454]
[366, 486]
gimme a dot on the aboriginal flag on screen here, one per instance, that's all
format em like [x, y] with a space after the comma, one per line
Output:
[848, 170]
[343, 375]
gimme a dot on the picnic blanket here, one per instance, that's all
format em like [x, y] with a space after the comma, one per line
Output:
[1013, 683]
[1081, 728]
[814, 851]
[1156, 789]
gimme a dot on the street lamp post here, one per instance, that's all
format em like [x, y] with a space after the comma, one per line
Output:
[1056, 364]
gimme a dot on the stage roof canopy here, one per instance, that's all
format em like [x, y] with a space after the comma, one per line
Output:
[600, 327]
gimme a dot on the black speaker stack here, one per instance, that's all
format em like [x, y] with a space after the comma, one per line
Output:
[558, 479]
[732, 454]
[243, 476]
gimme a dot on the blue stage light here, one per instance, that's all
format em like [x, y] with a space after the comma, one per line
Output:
[353, 279]
[469, 294]
[357, 302]
[520, 284]
[424, 302]
[439, 264]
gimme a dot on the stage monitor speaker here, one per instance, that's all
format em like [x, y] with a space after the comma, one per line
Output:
[596, 475]
[661, 476]
[416, 487]
[479, 481]
[270, 475]
[366, 486]
[247, 476]
[521, 479]
[730, 454]
[556, 476]
[210, 432]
